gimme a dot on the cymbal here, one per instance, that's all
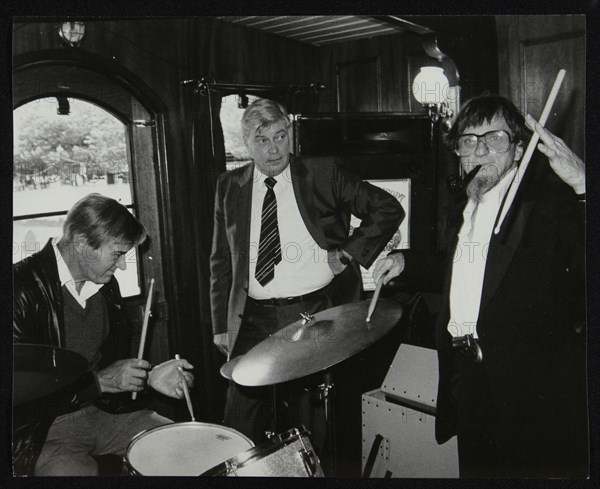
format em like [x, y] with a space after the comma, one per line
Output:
[301, 349]
[227, 368]
[39, 370]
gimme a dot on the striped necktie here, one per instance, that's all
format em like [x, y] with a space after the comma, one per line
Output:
[269, 248]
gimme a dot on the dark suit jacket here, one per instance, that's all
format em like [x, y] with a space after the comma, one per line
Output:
[531, 324]
[326, 196]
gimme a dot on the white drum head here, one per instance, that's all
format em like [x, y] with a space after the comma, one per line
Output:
[184, 449]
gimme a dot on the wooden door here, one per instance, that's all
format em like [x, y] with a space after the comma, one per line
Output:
[532, 49]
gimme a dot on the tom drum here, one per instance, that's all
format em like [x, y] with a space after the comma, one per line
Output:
[286, 455]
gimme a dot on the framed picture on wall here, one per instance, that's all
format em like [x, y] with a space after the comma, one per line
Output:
[400, 189]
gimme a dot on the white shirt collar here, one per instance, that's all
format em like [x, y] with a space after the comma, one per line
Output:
[66, 279]
[284, 176]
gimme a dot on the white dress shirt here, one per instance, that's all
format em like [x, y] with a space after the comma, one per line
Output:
[468, 267]
[303, 267]
[64, 274]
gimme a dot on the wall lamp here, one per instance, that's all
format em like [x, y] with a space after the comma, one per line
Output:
[72, 33]
[437, 87]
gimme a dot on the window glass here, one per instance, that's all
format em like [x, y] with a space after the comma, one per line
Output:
[58, 159]
[236, 153]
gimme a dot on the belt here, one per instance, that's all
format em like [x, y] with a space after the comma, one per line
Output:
[469, 346]
[286, 301]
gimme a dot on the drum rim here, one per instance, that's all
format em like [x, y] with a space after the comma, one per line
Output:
[147, 431]
[267, 448]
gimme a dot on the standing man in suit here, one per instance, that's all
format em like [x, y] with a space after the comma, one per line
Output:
[281, 246]
[511, 329]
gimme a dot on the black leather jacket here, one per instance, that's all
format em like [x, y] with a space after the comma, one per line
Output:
[38, 318]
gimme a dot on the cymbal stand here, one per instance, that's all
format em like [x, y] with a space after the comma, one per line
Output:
[275, 418]
[326, 394]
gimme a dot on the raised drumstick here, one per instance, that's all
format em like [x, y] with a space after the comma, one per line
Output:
[144, 328]
[531, 148]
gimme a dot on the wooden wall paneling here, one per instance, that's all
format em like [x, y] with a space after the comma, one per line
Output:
[358, 85]
[368, 75]
[396, 84]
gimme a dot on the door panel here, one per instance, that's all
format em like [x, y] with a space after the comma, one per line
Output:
[144, 162]
[541, 60]
[531, 51]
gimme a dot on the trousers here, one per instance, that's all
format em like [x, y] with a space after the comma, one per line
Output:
[75, 438]
[498, 439]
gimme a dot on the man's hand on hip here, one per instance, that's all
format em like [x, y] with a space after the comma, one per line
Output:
[338, 260]
[124, 375]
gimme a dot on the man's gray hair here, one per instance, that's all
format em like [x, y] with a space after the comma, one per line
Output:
[101, 218]
[262, 113]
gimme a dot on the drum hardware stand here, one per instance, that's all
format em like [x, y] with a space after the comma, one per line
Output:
[325, 392]
[275, 420]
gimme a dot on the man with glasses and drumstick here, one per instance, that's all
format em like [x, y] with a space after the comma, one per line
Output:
[281, 248]
[66, 296]
[511, 327]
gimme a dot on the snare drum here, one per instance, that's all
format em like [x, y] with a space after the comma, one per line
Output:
[182, 449]
[286, 455]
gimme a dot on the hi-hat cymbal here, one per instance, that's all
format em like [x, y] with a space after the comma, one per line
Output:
[40, 370]
[302, 349]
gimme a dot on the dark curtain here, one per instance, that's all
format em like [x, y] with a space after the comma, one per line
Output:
[208, 160]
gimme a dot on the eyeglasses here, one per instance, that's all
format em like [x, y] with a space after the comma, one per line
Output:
[495, 141]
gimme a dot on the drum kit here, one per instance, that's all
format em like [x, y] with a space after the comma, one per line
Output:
[309, 345]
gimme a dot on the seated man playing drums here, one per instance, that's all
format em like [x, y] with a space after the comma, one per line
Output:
[66, 296]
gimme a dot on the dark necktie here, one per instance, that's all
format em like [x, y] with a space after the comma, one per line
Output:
[269, 248]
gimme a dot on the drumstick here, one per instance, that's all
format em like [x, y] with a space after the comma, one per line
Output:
[373, 303]
[531, 148]
[144, 328]
[186, 392]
